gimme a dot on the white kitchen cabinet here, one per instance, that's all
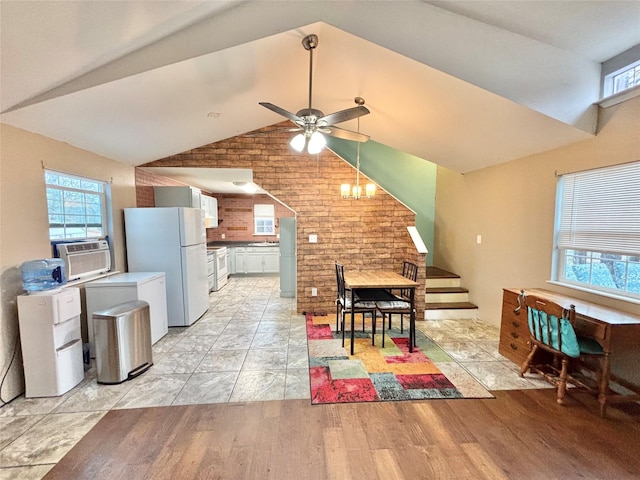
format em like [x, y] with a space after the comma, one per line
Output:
[271, 260]
[177, 197]
[231, 260]
[210, 207]
[51, 342]
[241, 259]
[211, 269]
[255, 260]
[263, 260]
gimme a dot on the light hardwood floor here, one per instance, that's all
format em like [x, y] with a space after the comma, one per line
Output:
[520, 434]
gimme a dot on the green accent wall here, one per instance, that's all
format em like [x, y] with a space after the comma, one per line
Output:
[410, 179]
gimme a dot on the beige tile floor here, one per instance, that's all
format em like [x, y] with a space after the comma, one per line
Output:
[248, 333]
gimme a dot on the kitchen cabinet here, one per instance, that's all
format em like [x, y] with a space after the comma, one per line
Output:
[241, 263]
[256, 260]
[178, 197]
[231, 257]
[231, 252]
[271, 260]
[210, 207]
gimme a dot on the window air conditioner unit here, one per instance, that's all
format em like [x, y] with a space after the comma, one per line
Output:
[84, 259]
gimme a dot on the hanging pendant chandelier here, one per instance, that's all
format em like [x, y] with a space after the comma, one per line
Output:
[355, 192]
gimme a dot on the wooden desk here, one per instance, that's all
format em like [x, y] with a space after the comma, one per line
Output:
[616, 331]
[373, 279]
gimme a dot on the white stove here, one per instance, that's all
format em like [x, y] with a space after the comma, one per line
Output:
[219, 271]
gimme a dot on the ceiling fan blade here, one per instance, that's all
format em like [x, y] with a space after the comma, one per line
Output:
[343, 115]
[257, 133]
[283, 112]
[345, 134]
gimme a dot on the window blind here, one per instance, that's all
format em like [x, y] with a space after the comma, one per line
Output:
[263, 210]
[600, 210]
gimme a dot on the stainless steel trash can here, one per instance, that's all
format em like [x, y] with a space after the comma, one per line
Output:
[123, 341]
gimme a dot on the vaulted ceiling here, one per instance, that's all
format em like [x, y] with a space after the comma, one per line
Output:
[465, 84]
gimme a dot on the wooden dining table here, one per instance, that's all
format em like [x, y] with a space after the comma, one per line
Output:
[381, 279]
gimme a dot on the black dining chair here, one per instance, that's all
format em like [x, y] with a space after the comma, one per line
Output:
[399, 303]
[343, 304]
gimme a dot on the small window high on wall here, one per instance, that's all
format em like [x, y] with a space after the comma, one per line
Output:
[264, 219]
[623, 79]
[597, 230]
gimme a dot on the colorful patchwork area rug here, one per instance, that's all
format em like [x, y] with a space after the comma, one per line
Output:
[376, 374]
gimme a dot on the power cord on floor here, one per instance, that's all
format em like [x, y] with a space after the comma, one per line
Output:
[4, 376]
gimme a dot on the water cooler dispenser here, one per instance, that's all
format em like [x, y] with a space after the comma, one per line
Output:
[51, 341]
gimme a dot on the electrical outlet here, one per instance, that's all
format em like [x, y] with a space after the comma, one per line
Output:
[314, 292]
[223, 235]
[478, 239]
[313, 238]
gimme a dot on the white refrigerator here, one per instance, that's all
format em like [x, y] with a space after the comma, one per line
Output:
[171, 240]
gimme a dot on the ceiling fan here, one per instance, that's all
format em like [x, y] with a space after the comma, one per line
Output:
[312, 122]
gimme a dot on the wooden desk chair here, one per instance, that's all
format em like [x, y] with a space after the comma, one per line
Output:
[343, 303]
[551, 329]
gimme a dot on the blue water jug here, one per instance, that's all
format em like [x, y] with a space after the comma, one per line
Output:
[42, 275]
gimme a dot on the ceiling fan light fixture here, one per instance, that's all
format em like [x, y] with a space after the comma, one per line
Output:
[316, 143]
[298, 142]
[310, 120]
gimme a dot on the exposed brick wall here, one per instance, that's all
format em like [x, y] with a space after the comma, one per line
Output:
[362, 234]
[145, 181]
[236, 213]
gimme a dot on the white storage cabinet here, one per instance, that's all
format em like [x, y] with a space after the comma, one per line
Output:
[263, 260]
[241, 260]
[126, 287]
[177, 197]
[210, 207]
[51, 342]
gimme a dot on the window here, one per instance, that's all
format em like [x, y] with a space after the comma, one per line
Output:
[597, 241]
[622, 79]
[76, 206]
[264, 219]
[627, 79]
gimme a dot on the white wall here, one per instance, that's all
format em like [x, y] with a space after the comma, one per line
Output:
[24, 233]
[512, 206]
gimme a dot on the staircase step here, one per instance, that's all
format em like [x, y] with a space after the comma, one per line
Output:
[446, 294]
[435, 272]
[450, 310]
[449, 306]
[446, 290]
[452, 294]
[439, 278]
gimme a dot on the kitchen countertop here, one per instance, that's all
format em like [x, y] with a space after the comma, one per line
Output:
[219, 243]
